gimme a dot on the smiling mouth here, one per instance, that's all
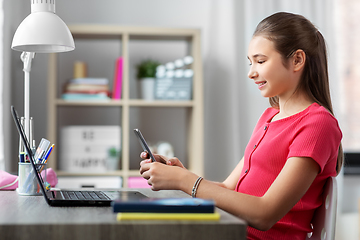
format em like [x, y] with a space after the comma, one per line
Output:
[260, 84]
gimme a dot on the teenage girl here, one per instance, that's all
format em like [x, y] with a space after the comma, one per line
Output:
[295, 146]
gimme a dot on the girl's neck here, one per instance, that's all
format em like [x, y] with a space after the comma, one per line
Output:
[292, 106]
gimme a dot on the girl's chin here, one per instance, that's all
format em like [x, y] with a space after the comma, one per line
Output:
[265, 94]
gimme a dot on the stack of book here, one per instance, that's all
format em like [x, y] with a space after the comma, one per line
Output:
[86, 89]
[189, 209]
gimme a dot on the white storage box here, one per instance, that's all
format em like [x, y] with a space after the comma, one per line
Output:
[89, 182]
[85, 149]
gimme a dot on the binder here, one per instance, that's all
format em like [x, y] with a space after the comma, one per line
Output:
[168, 216]
[165, 205]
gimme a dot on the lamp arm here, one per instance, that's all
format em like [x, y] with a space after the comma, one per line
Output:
[27, 57]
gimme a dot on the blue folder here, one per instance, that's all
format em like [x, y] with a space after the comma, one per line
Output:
[165, 205]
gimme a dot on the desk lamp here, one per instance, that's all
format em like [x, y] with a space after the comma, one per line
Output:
[40, 32]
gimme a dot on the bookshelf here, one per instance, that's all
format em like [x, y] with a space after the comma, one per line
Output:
[122, 38]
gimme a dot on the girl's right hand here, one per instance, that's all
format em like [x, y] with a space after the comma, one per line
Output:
[162, 159]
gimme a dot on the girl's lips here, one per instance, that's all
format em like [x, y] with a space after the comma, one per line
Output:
[260, 84]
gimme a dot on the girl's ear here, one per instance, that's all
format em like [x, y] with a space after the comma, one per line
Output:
[299, 59]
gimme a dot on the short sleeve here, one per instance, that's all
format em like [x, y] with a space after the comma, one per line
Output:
[317, 136]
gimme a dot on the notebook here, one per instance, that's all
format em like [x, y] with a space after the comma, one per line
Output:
[165, 205]
[73, 198]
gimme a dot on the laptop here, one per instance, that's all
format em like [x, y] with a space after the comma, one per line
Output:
[67, 198]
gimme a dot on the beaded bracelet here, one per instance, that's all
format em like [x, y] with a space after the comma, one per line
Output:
[195, 187]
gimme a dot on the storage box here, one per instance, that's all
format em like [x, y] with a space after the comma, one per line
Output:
[138, 182]
[173, 88]
[87, 149]
[89, 182]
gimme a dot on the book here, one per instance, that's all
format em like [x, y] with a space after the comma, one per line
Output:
[117, 84]
[85, 96]
[85, 87]
[169, 216]
[94, 81]
[165, 205]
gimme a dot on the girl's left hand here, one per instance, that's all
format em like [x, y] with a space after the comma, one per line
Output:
[161, 176]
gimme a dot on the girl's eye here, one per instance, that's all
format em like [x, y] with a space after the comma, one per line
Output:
[261, 62]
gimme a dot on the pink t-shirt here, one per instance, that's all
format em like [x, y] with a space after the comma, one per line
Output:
[313, 133]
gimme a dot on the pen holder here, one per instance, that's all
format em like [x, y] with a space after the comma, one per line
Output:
[28, 184]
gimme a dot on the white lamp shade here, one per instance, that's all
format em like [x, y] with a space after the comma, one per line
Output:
[43, 32]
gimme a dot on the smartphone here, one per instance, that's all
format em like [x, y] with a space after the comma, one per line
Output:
[143, 144]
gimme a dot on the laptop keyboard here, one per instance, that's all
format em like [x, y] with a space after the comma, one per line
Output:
[84, 195]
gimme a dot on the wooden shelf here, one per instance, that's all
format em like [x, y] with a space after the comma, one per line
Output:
[131, 173]
[123, 36]
[131, 103]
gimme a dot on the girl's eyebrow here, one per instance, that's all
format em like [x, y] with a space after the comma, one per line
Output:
[257, 55]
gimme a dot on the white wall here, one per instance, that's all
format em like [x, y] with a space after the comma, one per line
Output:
[224, 85]
[12, 16]
[232, 102]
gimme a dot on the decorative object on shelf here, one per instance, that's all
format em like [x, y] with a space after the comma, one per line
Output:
[174, 80]
[165, 148]
[118, 75]
[40, 32]
[85, 149]
[146, 72]
[113, 158]
[80, 69]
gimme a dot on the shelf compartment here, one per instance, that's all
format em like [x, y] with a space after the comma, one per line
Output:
[160, 103]
[99, 46]
[131, 173]
[163, 127]
[61, 102]
[131, 103]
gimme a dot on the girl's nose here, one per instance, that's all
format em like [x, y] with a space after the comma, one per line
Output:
[252, 73]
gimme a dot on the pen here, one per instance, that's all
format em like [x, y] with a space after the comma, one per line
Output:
[21, 145]
[48, 153]
[41, 158]
[22, 157]
[44, 143]
[31, 137]
[45, 159]
[33, 148]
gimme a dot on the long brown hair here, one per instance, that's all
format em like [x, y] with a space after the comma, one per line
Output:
[290, 32]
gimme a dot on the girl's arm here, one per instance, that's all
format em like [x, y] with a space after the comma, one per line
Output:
[231, 181]
[260, 212]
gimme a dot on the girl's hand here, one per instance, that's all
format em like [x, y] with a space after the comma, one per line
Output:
[165, 173]
[160, 158]
[160, 176]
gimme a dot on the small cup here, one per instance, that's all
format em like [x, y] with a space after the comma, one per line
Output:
[28, 184]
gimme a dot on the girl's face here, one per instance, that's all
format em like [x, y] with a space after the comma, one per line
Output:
[268, 71]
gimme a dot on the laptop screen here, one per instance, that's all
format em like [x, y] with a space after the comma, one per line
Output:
[28, 149]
